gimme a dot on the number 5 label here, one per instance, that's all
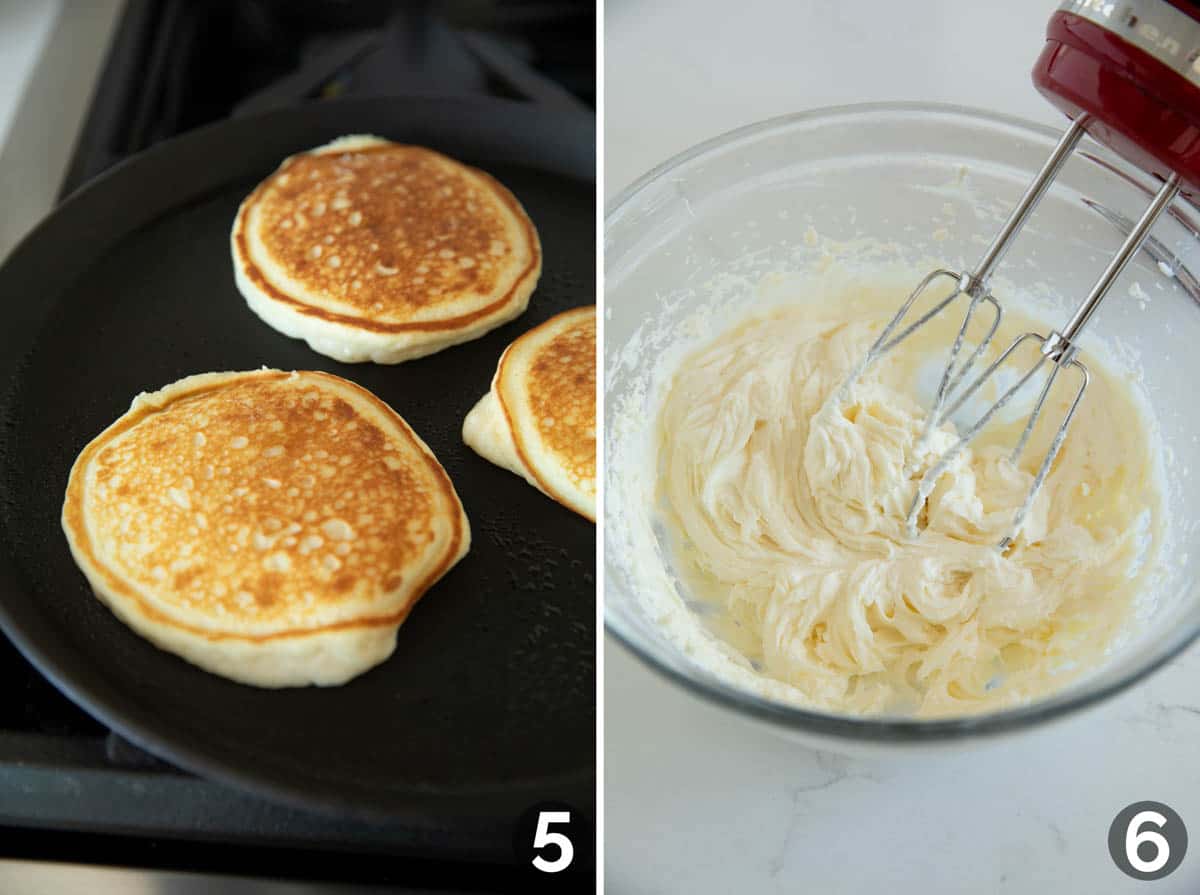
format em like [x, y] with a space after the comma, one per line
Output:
[544, 837]
[1147, 840]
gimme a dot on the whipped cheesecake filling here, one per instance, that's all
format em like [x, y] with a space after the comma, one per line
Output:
[785, 497]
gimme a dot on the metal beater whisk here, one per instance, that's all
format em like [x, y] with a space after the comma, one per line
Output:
[1128, 73]
[1057, 351]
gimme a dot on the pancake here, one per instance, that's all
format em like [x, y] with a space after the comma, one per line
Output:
[274, 528]
[375, 251]
[539, 417]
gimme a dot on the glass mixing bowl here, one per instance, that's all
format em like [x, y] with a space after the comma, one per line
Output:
[934, 182]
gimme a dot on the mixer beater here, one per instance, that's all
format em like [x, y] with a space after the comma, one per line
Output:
[1128, 74]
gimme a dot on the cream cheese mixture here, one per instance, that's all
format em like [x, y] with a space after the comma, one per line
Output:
[786, 503]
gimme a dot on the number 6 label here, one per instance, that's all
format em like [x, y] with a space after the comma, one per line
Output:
[1147, 840]
[544, 837]
[1135, 836]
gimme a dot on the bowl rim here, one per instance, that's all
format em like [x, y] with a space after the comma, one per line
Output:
[954, 110]
[879, 728]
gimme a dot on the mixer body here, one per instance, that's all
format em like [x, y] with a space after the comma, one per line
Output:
[1133, 68]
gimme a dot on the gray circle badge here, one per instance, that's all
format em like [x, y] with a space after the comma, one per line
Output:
[1147, 840]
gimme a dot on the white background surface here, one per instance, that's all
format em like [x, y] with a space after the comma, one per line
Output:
[697, 800]
[50, 54]
[24, 29]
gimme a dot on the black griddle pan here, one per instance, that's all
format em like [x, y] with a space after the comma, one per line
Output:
[488, 704]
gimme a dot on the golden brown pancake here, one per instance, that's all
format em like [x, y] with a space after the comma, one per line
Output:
[539, 418]
[274, 528]
[371, 250]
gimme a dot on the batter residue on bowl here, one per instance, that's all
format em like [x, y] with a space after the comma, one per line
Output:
[786, 503]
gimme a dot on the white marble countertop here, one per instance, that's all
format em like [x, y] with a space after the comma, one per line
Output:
[698, 801]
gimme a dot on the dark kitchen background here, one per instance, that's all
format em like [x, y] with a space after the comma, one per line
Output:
[175, 65]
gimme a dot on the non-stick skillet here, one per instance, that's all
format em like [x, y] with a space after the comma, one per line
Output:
[488, 704]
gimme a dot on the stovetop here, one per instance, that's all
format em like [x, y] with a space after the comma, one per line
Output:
[175, 65]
